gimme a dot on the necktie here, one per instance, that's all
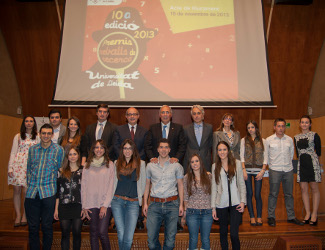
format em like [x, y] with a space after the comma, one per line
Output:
[164, 132]
[198, 133]
[132, 133]
[100, 131]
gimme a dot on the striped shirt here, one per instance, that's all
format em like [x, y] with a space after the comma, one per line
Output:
[42, 170]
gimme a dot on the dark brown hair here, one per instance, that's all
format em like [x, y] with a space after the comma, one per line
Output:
[91, 154]
[66, 170]
[204, 177]
[232, 127]
[23, 128]
[102, 105]
[126, 168]
[231, 164]
[306, 116]
[257, 132]
[77, 136]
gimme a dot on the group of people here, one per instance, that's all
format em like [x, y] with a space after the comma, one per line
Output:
[170, 173]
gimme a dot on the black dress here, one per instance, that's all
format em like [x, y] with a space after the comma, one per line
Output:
[68, 192]
[308, 148]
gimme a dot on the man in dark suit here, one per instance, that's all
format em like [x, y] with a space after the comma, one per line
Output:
[166, 129]
[132, 131]
[135, 132]
[55, 118]
[173, 132]
[102, 129]
[199, 138]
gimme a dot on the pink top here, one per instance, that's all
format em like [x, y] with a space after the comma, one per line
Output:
[97, 185]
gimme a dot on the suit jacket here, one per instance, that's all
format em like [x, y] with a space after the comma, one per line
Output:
[204, 150]
[89, 138]
[176, 139]
[220, 136]
[123, 132]
[62, 131]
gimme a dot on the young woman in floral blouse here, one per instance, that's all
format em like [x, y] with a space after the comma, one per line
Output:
[68, 202]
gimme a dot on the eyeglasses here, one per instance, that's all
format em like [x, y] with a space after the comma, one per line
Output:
[127, 149]
[133, 114]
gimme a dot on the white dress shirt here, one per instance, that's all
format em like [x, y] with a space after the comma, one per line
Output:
[280, 153]
[98, 126]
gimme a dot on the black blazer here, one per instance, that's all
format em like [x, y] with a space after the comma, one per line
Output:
[176, 139]
[89, 138]
[123, 132]
[204, 150]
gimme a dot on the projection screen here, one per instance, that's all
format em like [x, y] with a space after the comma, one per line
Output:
[153, 52]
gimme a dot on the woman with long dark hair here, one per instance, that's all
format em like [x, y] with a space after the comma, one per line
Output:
[17, 166]
[228, 133]
[197, 201]
[253, 157]
[129, 185]
[97, 192]
[308, 149]
[72, 136]
[68, 202]
[228, 194]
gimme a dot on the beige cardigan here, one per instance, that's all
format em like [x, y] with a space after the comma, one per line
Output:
[141, 183]
[216, 190]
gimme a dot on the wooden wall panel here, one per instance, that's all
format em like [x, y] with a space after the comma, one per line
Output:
[32, 34]
[9, 127]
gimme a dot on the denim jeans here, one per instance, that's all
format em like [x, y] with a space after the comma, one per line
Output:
[258, 197]
[125, 216]
[199, 219]
[235, 217]
[158, 212]
[98, 228]
[40, 211]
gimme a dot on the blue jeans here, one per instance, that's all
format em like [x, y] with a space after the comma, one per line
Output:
[40, 211]
[199, 219]
[258, 198]
[158, 212]
[125, 216]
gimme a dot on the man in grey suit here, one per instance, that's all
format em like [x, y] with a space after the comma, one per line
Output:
[132, 131]
[102, 129]
[199, 138]
[55, 117]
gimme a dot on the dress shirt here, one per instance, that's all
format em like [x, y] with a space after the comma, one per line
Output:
[167, 128]
[134, 127]
[42, 170]
[56, 133]
[98, 127]
[164, 179]
[198, 129]
[281, 152]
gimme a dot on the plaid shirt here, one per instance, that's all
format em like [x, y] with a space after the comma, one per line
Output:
[42, 170]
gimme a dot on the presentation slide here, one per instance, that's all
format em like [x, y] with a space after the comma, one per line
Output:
[151, 52]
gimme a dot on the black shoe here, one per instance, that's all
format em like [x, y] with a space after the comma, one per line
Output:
[140, 225]
[271, 222]
[296, 221]
[313, 223]
[179, 227]
[259, 223]
[114, 227]
[306, 221]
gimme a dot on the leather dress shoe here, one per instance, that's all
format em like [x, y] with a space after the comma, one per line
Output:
[296, 221]
[140, 225]
[271, 222]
